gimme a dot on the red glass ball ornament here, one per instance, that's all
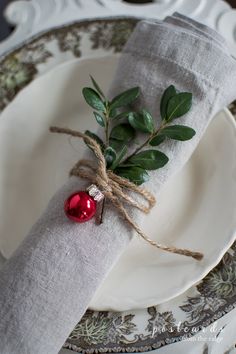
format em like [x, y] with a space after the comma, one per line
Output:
[80, 207]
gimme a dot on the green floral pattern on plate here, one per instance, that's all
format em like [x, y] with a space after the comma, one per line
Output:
[14, 75]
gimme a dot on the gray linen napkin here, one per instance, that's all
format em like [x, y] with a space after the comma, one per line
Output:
[48, 283]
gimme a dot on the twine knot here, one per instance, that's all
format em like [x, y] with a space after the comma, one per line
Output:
[115, 189]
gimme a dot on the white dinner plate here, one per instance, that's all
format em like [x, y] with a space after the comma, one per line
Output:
[197, 208]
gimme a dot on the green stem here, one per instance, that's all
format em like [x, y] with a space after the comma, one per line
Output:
[146, 142]
[140, 147]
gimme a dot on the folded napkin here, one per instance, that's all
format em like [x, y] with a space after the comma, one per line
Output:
[46, 286]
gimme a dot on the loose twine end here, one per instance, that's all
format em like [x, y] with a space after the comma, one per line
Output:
[113, 187]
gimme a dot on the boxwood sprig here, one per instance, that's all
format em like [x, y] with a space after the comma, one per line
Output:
[121, 123]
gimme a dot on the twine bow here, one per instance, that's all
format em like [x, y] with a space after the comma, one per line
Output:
[113, 186]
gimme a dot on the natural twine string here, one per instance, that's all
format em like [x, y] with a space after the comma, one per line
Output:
[112, 185]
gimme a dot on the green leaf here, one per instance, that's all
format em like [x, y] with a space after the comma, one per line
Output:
[125, 98]
[157, 140]
[168, 93]
[134, 174]
[117, 145]
[93, 99]
[110, 156]
[119, 157]
[149, 159]
[178, 105]
[141, 121]
[96, 138]
[112, 113]
[99, 119]
[148, 121]
[121, 115]
[178, 132]
[122, 132]
[96, 86]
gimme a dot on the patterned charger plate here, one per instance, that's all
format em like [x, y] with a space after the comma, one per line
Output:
[138, 330]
